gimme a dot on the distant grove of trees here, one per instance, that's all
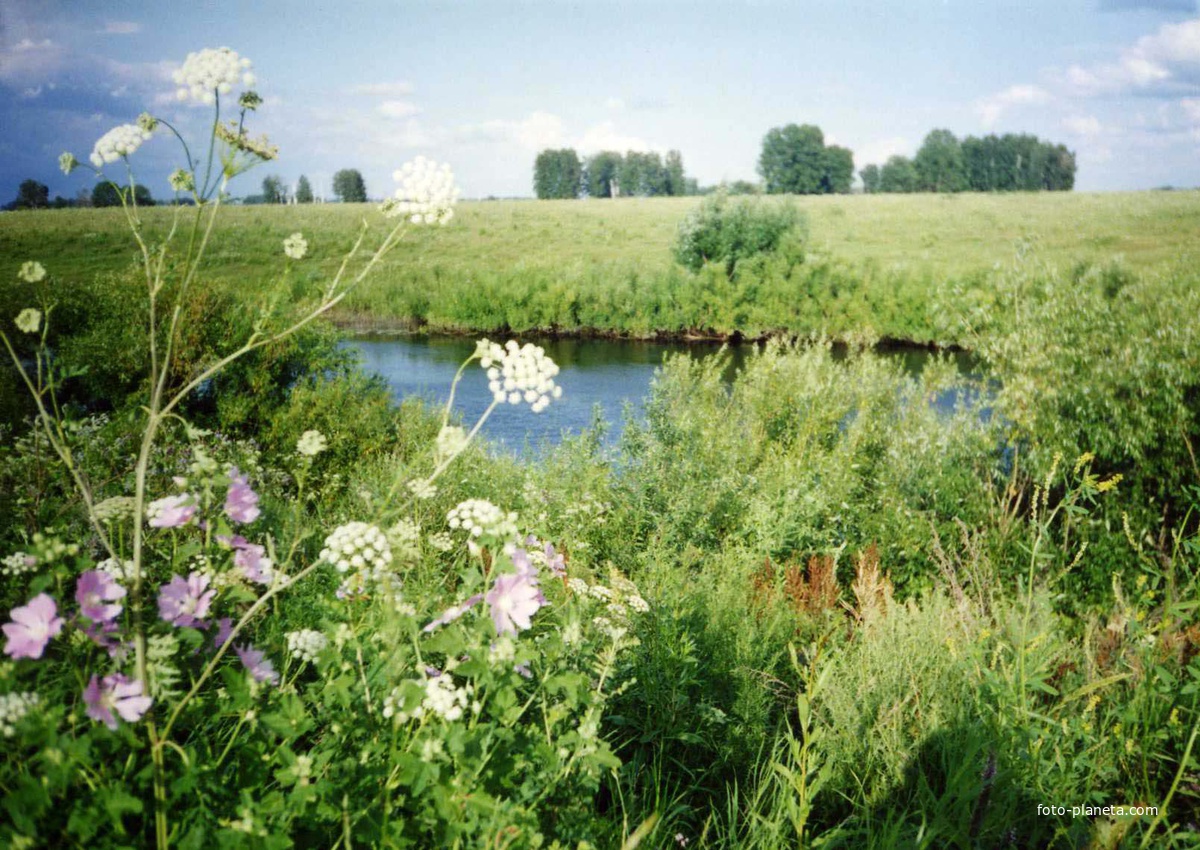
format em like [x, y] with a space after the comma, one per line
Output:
[795, 161]
[348, 185]
[608, 174]
[1008, 163]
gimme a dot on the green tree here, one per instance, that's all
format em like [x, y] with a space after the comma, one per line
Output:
[108, 194]
[870, 178]
[348, 185]
[304, 193]
[273, 191]
[31, 195]
[601, 169]
[939, 163]
[676, 180]
[793, 160]
[557, 174]
[898, 175]
[839, 170]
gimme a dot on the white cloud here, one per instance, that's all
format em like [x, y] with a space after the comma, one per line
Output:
[615, 103]
[605, 137]
[1086, 126]
[398, 109]
[1168, 58]
[120, 28]
[398, 88]
[990, 109]
[538, 131]
[880, 151]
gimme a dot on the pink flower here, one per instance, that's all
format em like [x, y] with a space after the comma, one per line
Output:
[32, 627]
[513, 600]
[224, 630]
[184, 602]
[93, 590]
[172, 511]
[249, 558]
[260, 667]
[453, 613]
[117, 694]
[241, 503]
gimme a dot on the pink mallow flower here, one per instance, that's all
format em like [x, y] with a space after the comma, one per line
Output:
[171, 511]
[116, 694]
[184, 602]
[241, 503]
[257, 664]
[32, 627]
[513, 600]
[250, 558]
[224, 632]
[97, 593]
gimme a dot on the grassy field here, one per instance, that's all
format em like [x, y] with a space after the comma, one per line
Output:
[579, 266]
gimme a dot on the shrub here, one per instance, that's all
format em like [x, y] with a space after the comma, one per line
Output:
[723, 231]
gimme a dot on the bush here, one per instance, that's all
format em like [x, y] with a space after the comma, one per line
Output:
[724, 231]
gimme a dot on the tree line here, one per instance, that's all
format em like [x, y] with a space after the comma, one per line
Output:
[1008, 163]
[609, 174]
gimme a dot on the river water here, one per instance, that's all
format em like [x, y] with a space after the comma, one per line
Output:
[599, 377]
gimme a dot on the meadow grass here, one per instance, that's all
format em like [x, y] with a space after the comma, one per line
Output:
[600, 266]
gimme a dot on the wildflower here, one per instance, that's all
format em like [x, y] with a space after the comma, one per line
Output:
[453, 613]
[404, 537]
[118, 694]
[182, 180]
[147, 122]
[224, 631]
[207, 72]
[450, 441]
[13, 708]
[185, 602]
[306, 644]
[295, 246]
[241, 503]
[250, 559]
[513, 600]
[681, 839]
[238, 139]
[431, 748]
[355, 546]
[250, 100]
[578, 586]
[519, 374]
[524, 565]
[97, 593]
[311, 443]
[426, 195]
[441, 541]
[171, 511]
[119, 142]
[32, 627]
[554, 561]
[443, 699]
[638, 604]
[422, 489]
[67, 162]
[118, 569]
[260, 668]
[1109, 483]
[480, 518]
[503, 651]
[114, 508]
[29, 320]
[18, 563]
[32, 271]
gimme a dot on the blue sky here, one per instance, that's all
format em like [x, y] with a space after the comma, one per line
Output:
[485, 85]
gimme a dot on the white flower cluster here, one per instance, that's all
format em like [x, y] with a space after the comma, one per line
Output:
[182, 180]
[120, 570]
[422, 488]
[441, 541]
[211, 70]
[295, 246]
[32, 271]
[311, 443]
[519, 373]
[480, 518]
[114, 508]
[618, 600]
[18, 563]
[306, 644]
[362, 552]
[450, 441]
[13, 707]
[28, 320]
[118, 142]
[441, 698]
[427, 193]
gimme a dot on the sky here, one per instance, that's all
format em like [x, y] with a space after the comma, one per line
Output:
[486, 85]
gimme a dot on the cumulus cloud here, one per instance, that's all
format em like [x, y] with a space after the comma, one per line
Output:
[605, 137]
[990, 109]
[397, 109]
[537, 131]
[1161, 63]
[1085, 126]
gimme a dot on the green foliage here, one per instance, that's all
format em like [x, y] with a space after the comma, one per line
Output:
[939, 163]
[898, 175]
[31, 195]
[602, 170]
[349, 187]
[273, 190]
[870, 178]
[109, 194]
[793, 160]
[557, 174]
[724, 232]
[304, 192]
[839, 170]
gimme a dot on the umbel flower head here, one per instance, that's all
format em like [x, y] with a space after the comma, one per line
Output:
[32, 271]
[118, 142]
[295, 246]
[427, 193]
[29, 320]
[209, 71]
[519, 373]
